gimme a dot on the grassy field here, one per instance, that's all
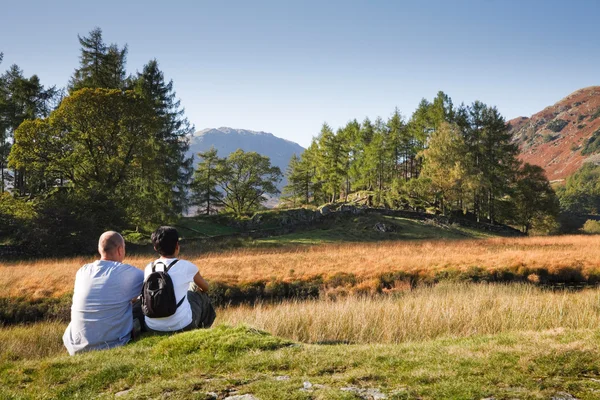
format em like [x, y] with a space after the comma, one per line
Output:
[367, 267]
[454, 341]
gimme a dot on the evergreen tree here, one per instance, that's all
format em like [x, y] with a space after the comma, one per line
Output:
[101, 66]
[172, 138]
[20, 99]
[533, 198]
[332, 161]
[204, 186]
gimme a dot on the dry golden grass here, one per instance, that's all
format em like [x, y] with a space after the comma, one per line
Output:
[43, 278]
[446, 310]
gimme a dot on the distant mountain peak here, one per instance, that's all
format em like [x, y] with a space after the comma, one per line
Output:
[227, 140]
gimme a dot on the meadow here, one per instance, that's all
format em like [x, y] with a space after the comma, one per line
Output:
[362, 266]
[433, 319]
[451, 341]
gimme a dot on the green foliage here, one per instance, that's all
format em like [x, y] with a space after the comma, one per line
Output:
[581, 193]
[101, 66]
[242, 181]
[591, 226]
[592, 145]
[557, 125]
[534, 201]
[204, 186]
[170, 138]
[443, 159]
[549, 138]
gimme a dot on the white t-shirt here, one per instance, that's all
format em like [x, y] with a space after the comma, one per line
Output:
[182, 274]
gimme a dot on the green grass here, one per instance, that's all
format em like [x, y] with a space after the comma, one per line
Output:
[225, 360]
[361, 229]
[202, 227]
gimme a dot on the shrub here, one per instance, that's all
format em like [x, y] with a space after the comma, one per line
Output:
[549, 137]
[581, 126]
[591, 226]
[592, 145]
[595, 115]
[557, 125]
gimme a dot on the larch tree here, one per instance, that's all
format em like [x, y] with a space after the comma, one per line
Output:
[204, 185]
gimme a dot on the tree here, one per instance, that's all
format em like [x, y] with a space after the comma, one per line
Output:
[204, 186]
[97, 143]
[533, 197]
[171, 137]
[20, 99]
[245, 178]
[101, 66]
[445, 163]
[581, 193]
[332, 165]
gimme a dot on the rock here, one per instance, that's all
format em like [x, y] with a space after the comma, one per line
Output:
[241, 397]
[563, 396]
[307, 385]
[282, 378]
[383, 228]
[122, 392]
[325, 210]
[212, 395]
[366, 394]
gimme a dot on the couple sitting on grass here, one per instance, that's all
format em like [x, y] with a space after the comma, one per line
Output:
[106, 311]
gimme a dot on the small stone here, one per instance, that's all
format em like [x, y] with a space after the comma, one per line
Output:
[563, 396]
[122, 392]
[366, 394]
[282, 378]
[212, 395]
[307, 385]
[241, 397]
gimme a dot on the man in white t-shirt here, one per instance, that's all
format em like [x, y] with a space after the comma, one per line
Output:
[101, 314]
[195, 310]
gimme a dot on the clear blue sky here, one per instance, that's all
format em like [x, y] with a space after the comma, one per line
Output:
[287, 66]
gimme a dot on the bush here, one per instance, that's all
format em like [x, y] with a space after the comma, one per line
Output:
[549, 137]
[591, 226]
[557, 125]
[592, 145]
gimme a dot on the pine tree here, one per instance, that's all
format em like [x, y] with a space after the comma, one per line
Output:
[332, 161]
[101, 66]
[204, 186]
[20, 99]
[174, 167]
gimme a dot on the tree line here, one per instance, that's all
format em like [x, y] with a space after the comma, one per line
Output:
[446, 159]
[107, 151]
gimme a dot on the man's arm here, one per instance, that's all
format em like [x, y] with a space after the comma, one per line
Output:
[200, 282]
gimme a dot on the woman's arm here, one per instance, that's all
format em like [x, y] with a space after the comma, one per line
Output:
[200, 282]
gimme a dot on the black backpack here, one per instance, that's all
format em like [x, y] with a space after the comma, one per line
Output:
[158, 294]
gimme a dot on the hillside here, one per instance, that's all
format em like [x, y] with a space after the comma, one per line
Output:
[228, 140]
[562, 137]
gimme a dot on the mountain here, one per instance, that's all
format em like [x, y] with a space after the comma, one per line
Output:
[562, 137]
[228, 140]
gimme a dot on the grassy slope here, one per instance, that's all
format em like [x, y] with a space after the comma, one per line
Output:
[346, 229]
[527, 365]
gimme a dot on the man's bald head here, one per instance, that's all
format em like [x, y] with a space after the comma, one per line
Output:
[111, 246]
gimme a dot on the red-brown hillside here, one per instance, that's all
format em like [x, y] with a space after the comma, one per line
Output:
[561, 137]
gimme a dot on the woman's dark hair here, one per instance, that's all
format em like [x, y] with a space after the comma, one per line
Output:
[164, 240]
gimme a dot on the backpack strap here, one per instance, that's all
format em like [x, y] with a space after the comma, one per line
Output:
[171, 264]
[166, 267]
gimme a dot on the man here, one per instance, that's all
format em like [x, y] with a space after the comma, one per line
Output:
[195, 309]
[101, 314]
